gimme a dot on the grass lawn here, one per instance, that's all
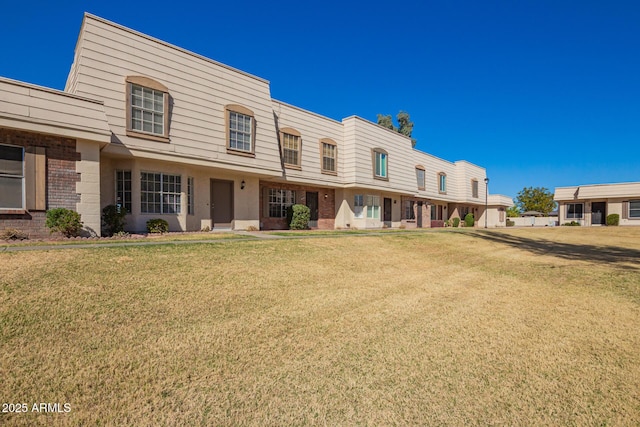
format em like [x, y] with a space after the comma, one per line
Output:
[509, 327]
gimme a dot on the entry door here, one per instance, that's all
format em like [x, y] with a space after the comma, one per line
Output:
[387, 210]
[311, 200]
[221, 203]
[598, 213]
[419, 216]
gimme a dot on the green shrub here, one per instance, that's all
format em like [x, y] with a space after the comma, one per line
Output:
[13, 234]
[468, 220]
[510, 223]
[157, 225]
[572, 224]
[113, 218]
[456, 221]
[613, 219]
[298, 217]
[65, 221]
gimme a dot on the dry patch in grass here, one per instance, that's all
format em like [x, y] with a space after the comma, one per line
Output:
[436, 328]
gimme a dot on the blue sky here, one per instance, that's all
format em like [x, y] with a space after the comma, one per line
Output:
[541, 93]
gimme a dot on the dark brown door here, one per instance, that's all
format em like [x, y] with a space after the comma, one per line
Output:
[419, 216]
[387, 209]
[221, 202]
[312, 204]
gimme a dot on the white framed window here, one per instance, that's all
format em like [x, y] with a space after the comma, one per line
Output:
[291, 149]
[190, 204]
[240, 130]
[634, 209]
[575, 210]
[442, 182]
[328, 157]
[279, 201]
[373, 207]
[358, 206]
[380, 164]
[420, 177]
[123, 189]
[12, 186]
[147, 110]
[160, 193]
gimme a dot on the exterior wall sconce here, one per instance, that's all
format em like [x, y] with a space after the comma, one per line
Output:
[326, 195]
[395, 201]
[242, 184]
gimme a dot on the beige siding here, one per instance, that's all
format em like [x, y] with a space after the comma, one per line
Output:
[312, 128]
[30, 107]
[602, 191]
[199, 90]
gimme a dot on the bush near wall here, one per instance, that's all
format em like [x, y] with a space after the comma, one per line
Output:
[613, 219]
[456, 221]
[157, 225]
[298, 217]
[113, 218]
[469, 220]
[65, 221]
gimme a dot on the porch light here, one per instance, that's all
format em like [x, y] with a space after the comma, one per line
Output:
[242, 185]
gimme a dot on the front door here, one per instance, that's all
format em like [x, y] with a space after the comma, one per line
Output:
[387, 211]
[419, 216]
[598, 213]
[311, 199]
[221, 203]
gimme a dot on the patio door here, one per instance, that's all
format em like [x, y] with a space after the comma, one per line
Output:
[598, 213]
[221, 203]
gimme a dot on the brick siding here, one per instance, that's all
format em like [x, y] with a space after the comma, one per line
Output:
[326, 206]
[61, 158]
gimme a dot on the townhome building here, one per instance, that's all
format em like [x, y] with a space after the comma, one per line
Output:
[591, 204]
[167, 133]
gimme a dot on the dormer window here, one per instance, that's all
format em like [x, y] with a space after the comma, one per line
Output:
[240, 130]
[291, 141]
[442, 183]
[420, 176]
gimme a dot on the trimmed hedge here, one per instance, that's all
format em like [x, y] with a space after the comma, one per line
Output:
[469, 220]
[65, 221]
[157, 225]
[113, 218]
[298, 217]
[613, 219]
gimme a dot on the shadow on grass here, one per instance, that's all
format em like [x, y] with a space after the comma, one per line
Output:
[622, 257]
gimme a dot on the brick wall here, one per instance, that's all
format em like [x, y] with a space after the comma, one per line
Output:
[61, 161]
[326, 206]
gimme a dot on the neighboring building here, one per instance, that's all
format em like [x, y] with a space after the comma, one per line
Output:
[590, 204]
[50, 144]
[200, 144]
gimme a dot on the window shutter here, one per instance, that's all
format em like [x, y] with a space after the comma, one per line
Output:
[625, 210]
[35, 169]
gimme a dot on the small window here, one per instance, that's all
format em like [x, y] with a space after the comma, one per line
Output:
[329, 156]
[291, 147]
[147, 106]
[575, 210]
[190, 204]
[634, 209]
[123, 189]
[420, 175]
[240, 130]
[160, 193]
[409, 211]
[373, 207]
[279, 201]
[380, 164]
[12, 192]
[442, 182]
[474, 188]
[358, 206]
